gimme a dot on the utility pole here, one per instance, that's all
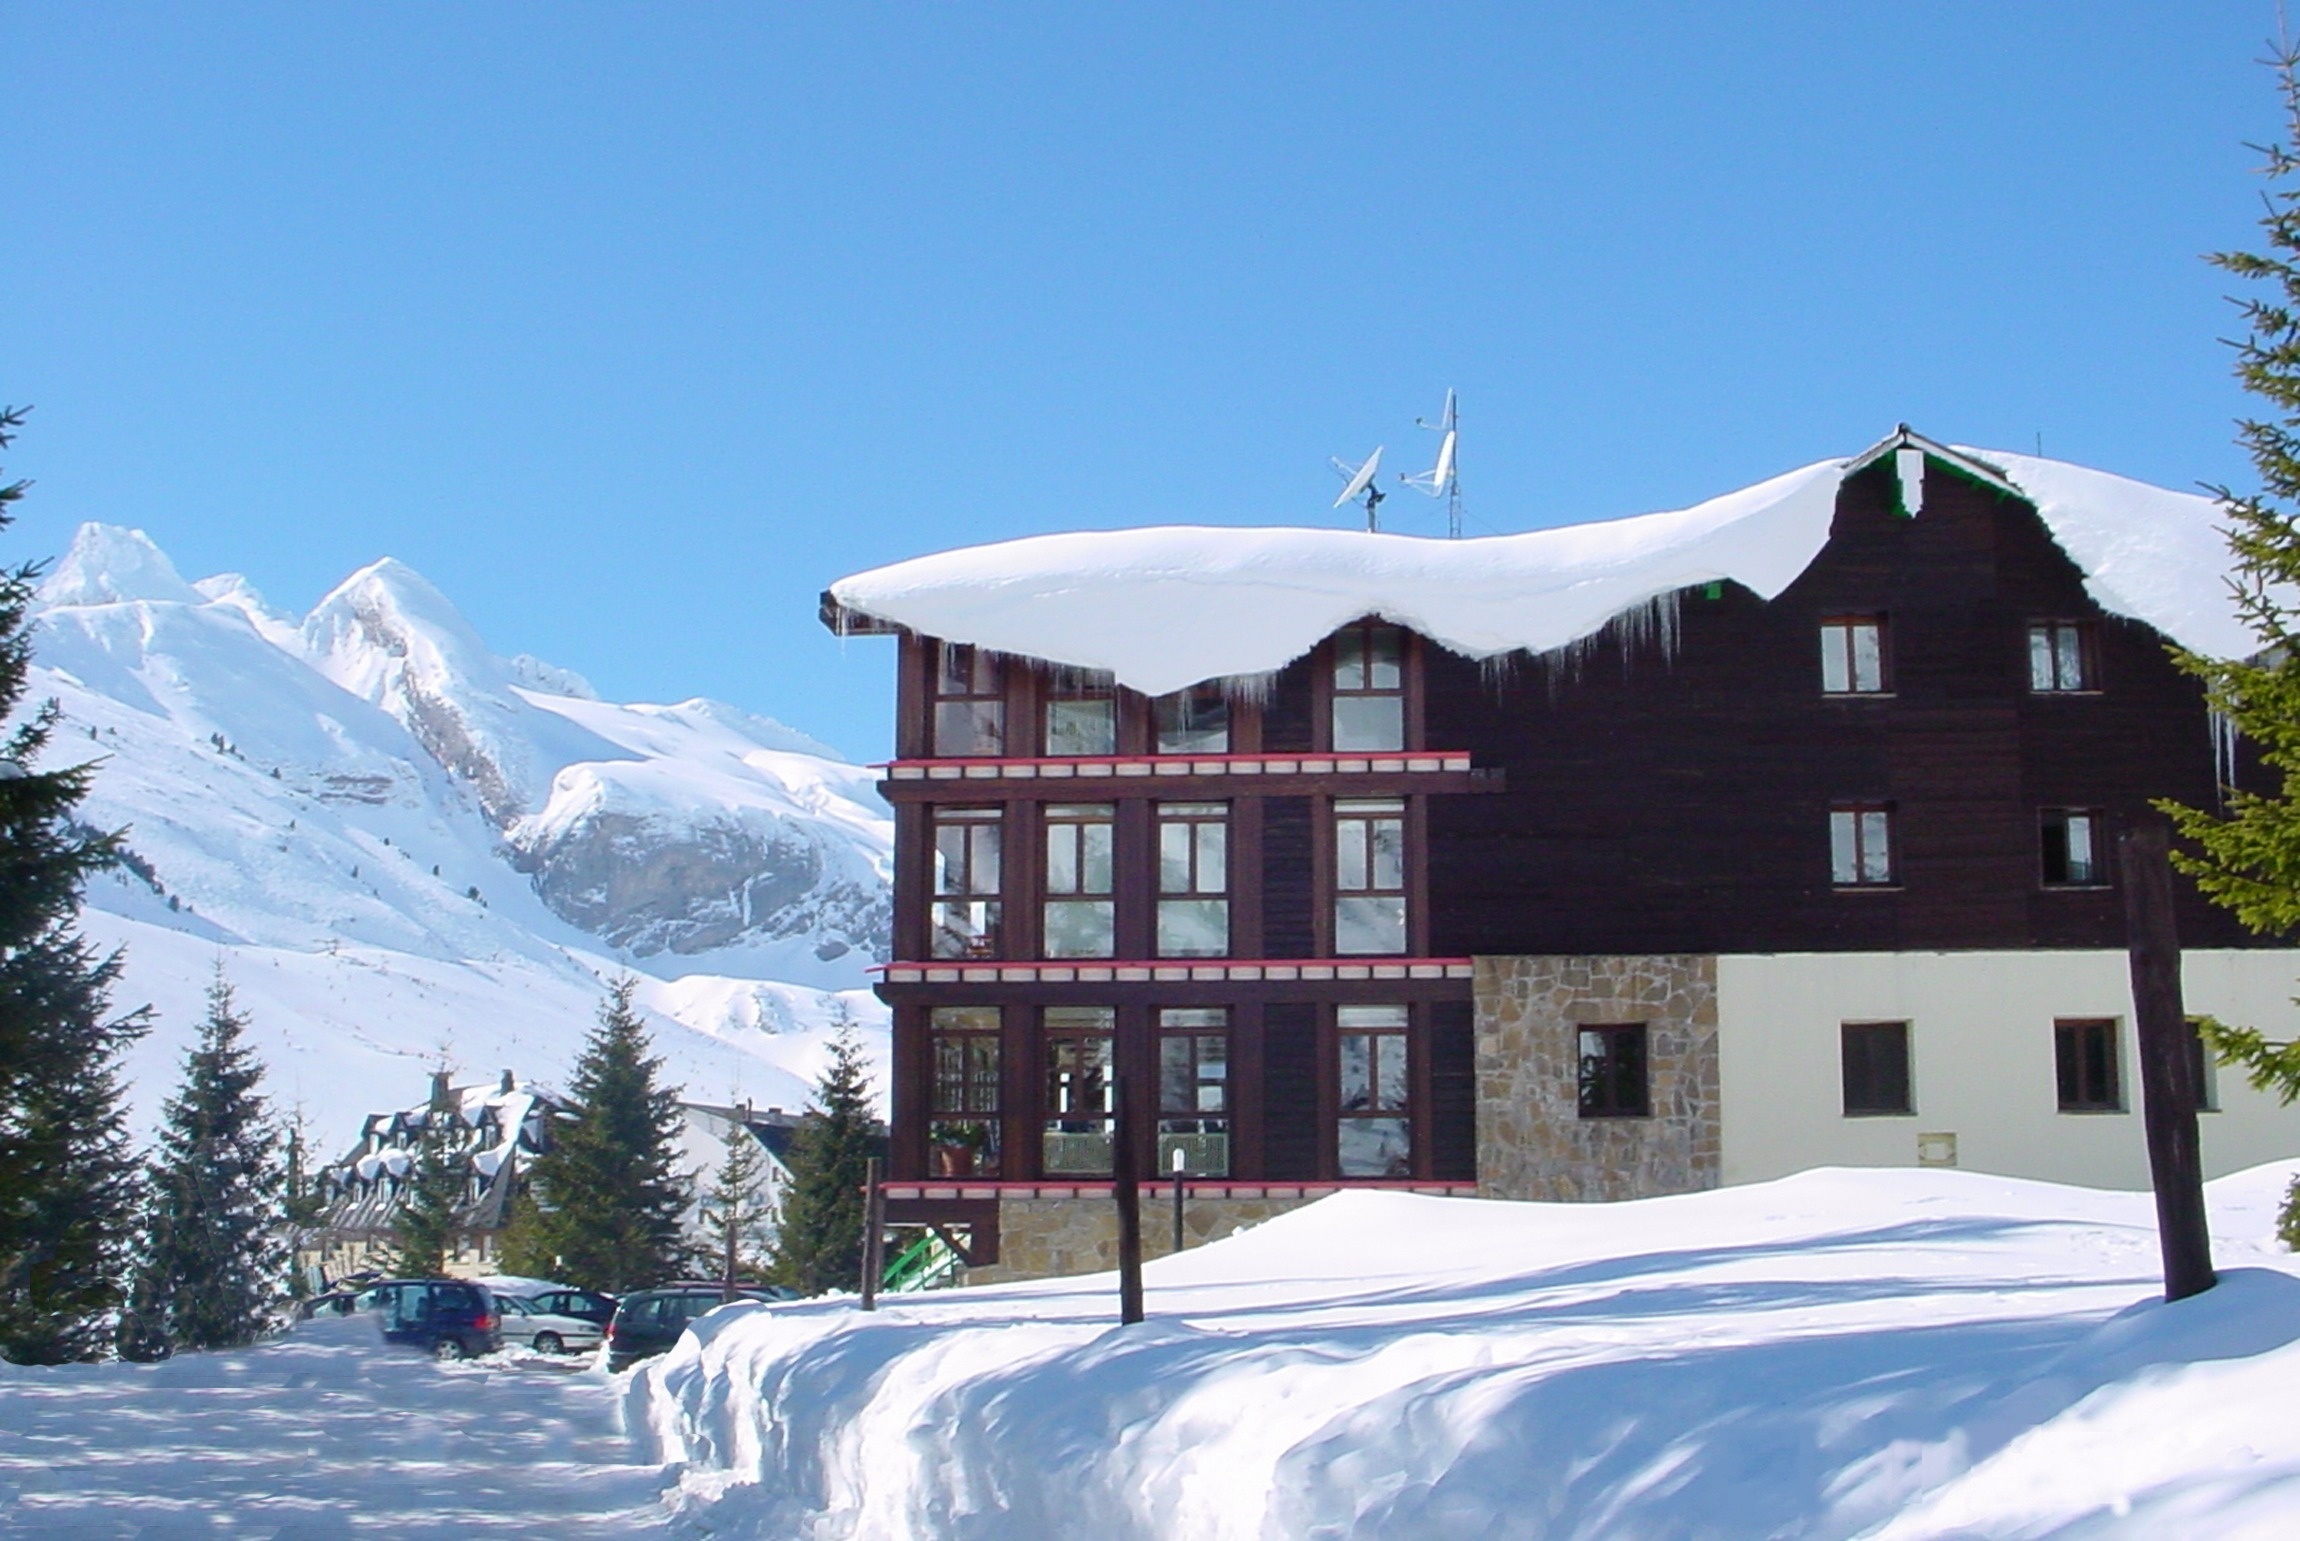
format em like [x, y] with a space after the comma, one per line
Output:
[1178, 1165]
[1126, 1188]
[2167, 1062]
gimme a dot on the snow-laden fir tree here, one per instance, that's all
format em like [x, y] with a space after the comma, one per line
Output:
[67, 1173]
[213, 1264]
[430, 1201]
[607, 1197]
[818, 1242]
[738, 1222]
[2248, 857]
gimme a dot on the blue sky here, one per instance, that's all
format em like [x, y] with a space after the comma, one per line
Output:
[632, 327]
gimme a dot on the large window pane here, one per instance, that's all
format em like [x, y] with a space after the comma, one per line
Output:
[963, 728]
[1079, 1090]
[1373, 1136]
[1375, 1147]
[1193, 880]
[1193, 928]
[1081, 727]
[1369, 722]
[1080, 928]
[1193, 721]
[1194, 1091]
[1368, 688]
[1079, 919]
[1369, 876]
[965, 910]
[963, 1129]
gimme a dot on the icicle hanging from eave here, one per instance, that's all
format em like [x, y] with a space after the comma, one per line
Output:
[1909, 466]
[2224, 735]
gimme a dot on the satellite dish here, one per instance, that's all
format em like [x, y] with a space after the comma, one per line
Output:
[1440, 481]
[1360, 477]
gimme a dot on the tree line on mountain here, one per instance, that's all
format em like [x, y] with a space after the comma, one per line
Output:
[189, 1245]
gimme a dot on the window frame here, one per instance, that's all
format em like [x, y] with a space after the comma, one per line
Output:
[1365, 634]
[1055, 1027]
[1072, 821]
[984, 892]
[1196, 1026]
[2096, 868]
[2085, 634]
[1387, 1029]
[1065, 685]
[1363, 884]
[977, 1124]
[2071, 1064]
[1847, 1033]
[1612, 1035]
[1200, 820]
[1182, 706]
[1848, 655]
[961, 674]
[1860, 813]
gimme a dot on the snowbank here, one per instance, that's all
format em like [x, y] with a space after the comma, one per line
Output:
[1167, 607]
[1902, 1353]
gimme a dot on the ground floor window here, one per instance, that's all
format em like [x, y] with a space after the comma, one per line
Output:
[1375, 1137]
[1194, 1090]
[1080, 1108]
[962, 1123]
[2084, 1056]
[1613, 1072]
[1876, 1061]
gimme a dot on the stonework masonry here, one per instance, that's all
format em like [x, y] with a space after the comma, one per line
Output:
[1044, 1238]
[1532, 1142]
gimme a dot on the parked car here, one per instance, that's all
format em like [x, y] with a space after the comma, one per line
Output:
[546, 1332]
[450, 1318]
[647, 1322]
[588, 1305]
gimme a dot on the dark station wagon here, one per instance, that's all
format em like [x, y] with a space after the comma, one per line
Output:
[648, 1322]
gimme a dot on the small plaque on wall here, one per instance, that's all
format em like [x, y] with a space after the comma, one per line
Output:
[1937, 1149]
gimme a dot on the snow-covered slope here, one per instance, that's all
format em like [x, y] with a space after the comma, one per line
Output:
[402, 848]
[1167, 607]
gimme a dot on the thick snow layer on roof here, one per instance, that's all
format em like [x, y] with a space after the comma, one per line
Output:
[1169, 606]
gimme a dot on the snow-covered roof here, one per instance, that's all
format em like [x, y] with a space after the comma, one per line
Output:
[1169, 606]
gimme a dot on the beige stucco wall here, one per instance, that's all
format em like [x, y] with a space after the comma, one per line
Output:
[1532, 1142]
[1043, 1238]
[1981, 1060]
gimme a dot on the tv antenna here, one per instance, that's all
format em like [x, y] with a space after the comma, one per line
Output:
[1361, 486]
[1440, 481]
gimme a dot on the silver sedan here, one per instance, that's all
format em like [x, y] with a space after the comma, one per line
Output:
[544, 1331]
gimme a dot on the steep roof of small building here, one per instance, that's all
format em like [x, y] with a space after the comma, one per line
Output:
[1169, 606]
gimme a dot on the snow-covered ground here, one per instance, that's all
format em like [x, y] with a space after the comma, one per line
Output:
[1842, 1353]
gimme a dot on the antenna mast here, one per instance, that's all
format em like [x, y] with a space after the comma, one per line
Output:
[1442, 479]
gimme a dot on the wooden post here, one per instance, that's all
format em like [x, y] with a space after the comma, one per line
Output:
[2167, 1062]
[873, 1229]
[1178, 1164]
[732, 1219]
[1126, 1188]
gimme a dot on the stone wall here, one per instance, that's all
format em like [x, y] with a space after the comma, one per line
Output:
[1532, 1142]
[1044, 1238]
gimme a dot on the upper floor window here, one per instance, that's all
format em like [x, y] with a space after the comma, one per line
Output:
[2060, 657]
[1861, 846]
[962, 1123]
[2071, 847]
[1080, 921]
[970, 702]
[1853, 655]
[1193, 880]
[1080, 1100]
[1081, 712]
[964, 911]
[2084, 1063]
[1370, 875]
[1194, 1090]
[1369, 688]
[1375, 1137]
[1193, 721]
[1613, 1072]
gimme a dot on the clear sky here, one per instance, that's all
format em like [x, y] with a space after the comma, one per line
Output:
[634, 326]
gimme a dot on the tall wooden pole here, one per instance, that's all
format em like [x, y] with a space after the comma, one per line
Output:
[2167, 1062]
[872, 1230]
[1177, 1200]
[1126, 1188]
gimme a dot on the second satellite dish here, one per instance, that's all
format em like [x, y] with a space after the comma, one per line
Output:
[1361, 484]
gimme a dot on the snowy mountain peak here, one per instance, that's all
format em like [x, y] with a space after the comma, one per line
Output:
[109, 563]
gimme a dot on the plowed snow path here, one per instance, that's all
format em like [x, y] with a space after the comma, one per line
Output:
[323, 1435]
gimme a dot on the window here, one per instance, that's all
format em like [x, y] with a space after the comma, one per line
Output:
[1193, 721]
[1079, 1105]
[1613, 1080]
[962, 1124]
[2060, 657]
[1079, 918]
[1376, 1137]
[970, 704]
[2084, 1055]
[1194, 1090]
[2072, 849]
[964, 912]
[1193, 880]
[1853, 655]
[1876, 1068]
[1369, 688]
[1081, 713]
[1861, 846]
[1370, 875]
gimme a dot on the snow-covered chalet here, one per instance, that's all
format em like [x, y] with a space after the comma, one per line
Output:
[1597, 862]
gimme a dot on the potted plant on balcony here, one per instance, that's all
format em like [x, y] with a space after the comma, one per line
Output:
[959, 1148]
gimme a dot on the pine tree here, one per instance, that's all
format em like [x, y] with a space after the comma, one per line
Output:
[424, 1222]
[737, 1221]
[2248, 857]
[67, 1174]
[214, 1262]
[818, 1245]
[606, 1199]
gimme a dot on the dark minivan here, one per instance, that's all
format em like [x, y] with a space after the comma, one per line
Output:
[648, 1322]
[448, 1318]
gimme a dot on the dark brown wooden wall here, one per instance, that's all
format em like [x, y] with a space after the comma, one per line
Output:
[1680, 803]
